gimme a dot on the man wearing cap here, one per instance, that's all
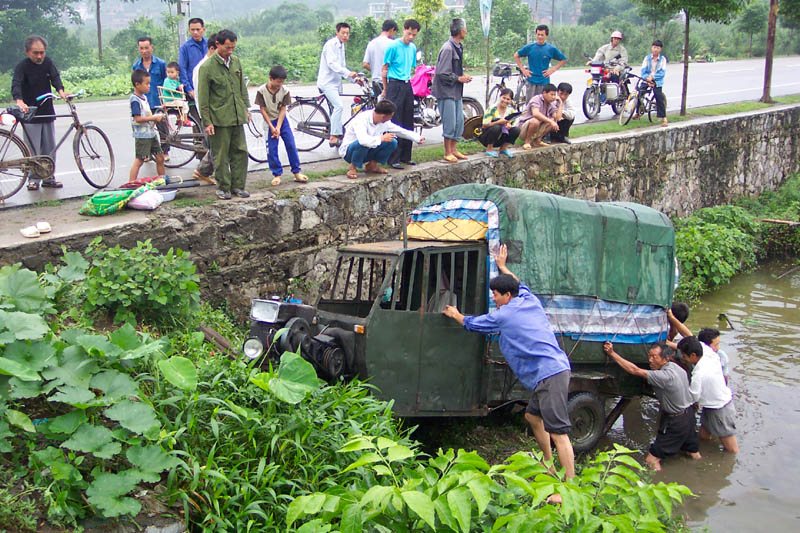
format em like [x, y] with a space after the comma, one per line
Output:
[609, 52]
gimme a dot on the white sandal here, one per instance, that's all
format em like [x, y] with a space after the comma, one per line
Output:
[43, 227]
[30, 232]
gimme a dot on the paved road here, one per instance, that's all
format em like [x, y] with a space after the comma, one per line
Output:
[709, 84]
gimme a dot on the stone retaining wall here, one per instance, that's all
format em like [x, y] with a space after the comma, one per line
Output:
[251, 248]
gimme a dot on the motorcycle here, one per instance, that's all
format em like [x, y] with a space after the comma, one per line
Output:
[426, 109]
[601, 89]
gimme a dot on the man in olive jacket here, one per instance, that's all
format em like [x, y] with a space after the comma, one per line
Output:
[224, 107]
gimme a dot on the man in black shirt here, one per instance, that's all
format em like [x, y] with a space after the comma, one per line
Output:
[33, 76]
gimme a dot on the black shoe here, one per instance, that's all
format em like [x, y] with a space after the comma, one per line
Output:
[409, 163]
[241, 193]
[396, 166]
[223, 195]
[566, 140]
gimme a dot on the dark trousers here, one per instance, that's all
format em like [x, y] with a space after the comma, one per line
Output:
[494, 135]
[163, 131]
[400, 94]
[661, 102]
[291, 149]
[357, 155]
[563, 130]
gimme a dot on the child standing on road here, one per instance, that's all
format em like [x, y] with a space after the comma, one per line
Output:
[272, 99]
[145, 136]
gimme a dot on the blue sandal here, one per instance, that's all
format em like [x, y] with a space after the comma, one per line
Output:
[507, 153]
[492, 153]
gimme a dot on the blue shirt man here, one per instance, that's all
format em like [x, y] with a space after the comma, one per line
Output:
[401, 58]
[531, 350]
[191, 53]
[156, 67]
[540, 54]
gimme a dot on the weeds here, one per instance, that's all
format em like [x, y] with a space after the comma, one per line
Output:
[192, 202]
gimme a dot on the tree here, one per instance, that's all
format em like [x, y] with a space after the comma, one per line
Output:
[717, 11]
[425, 11]
[789, 11]
[752, 20]
[595, 10]
[653, 11]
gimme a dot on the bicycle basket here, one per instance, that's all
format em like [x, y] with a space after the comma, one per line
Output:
[502, 70]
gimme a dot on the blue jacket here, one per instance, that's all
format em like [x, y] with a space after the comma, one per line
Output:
[189, 55]
[526, 338]
[658, 71]
[158, 73]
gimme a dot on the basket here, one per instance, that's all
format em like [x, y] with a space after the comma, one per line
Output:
[502, 70]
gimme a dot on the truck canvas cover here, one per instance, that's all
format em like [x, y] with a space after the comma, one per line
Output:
[603, 270]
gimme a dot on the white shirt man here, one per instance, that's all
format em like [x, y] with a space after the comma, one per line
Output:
[373, 55]
[332, 70]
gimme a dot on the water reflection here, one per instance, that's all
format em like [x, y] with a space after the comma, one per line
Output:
[758, 488]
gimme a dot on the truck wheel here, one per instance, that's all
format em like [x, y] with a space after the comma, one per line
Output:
[587, 415]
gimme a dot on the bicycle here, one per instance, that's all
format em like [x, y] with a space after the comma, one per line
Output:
[640, 101]
[255, 136]
[185, 135]
[90, 147]
[311, 123]
[504, 71]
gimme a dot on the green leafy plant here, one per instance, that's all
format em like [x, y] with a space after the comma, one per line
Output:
[461, 492]
[141, 283]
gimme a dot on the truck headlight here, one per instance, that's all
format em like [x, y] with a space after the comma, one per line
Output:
[253, 347]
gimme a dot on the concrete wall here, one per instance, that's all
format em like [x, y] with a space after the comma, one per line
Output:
[246, 249]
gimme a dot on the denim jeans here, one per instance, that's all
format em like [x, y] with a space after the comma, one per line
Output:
[291, 149]
[357, 154]
[331, 92]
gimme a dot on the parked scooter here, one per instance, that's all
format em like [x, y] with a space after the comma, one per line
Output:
[601, 89]
[426, 109]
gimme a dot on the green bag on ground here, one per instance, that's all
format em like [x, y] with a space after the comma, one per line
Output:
[108, 202]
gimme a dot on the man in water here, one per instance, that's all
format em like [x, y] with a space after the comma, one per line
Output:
[676, 427]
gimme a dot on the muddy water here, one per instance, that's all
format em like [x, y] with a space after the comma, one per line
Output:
[758, 489]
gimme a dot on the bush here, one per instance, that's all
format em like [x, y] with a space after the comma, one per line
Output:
[77, 74]
[110, 85]
[141, 283]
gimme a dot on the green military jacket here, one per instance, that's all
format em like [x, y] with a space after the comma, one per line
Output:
[222, 92]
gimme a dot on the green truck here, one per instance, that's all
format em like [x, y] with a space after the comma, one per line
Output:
[603, 271]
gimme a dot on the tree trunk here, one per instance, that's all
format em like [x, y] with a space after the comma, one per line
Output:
[750, 53]
[99, 33]
[773, 19]
[536, 12]
[685, 63]
[654, 28]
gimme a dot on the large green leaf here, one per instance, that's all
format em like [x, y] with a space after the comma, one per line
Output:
[304, 505]
[74, 368]
[74, 396]
[23, 326]
[296, 378]
[13, 368]
[126, 337]
[67, 423]
[98, 346]
[460, 505]
[75, 268]
[352, 521]
[24, 389]
[151, 458]
[158, 346]
[36, 355]
[107, 493]
[97, 440]
[420, 503]
[133, 416]
[21, 288]
[115, 385]
[179, 371]
[20, 419]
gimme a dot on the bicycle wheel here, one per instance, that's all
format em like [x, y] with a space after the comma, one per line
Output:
[310, 124]
[619, 103]
[183, 132]
[256, 138]
[652, 110]
[471, 108]
[94, 156]
[629, 109]
[12, 177]
[494, 95]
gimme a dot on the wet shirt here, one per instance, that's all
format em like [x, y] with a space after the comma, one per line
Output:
[526, 338]
[671, 386]
[708, 386]
[539, 57]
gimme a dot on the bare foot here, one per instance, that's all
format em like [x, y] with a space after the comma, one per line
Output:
[526, 146]
[555, 499]
[694, 455]
[375, 168]
[352, 173]
[539, 144]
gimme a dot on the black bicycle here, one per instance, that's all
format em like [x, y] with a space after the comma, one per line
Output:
[90, 146]
[640, 102]
[505, 71]
[311, 122]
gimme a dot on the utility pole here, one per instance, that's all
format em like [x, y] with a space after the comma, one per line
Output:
[387, 9]
[183, 8]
